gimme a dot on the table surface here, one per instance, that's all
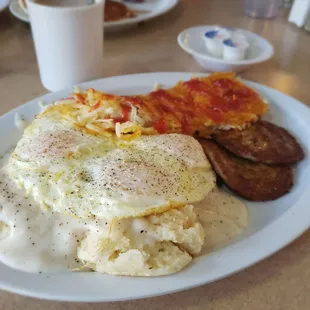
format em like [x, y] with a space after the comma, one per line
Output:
[279, 282]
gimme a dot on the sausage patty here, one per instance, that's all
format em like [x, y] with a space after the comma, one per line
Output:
[253, 181]
[262, 142]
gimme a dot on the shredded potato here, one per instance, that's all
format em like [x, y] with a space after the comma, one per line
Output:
[128, 131]
[195, 107]
[97, 113]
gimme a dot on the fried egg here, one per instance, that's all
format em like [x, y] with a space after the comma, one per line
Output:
[72, 172]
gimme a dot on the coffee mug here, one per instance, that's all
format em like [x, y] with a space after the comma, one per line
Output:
[68, 42]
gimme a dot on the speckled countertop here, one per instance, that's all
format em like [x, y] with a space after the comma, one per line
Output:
[279, 282]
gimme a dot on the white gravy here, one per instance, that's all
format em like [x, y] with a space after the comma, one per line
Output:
[34, 240]
[222, 216]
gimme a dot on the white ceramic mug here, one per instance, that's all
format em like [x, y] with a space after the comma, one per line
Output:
[68, 42]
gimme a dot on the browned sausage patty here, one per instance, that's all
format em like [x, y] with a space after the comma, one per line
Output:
[262, 142]
[253, 181]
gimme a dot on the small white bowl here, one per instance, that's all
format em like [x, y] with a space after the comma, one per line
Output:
[191, 40]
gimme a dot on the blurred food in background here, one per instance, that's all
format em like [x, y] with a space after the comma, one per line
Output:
[115, 10]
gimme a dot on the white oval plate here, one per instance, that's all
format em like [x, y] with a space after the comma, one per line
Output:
[153, 8]
[272, 225]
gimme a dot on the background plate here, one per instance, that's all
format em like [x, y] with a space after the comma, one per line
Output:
[154, 8]
[272, 225]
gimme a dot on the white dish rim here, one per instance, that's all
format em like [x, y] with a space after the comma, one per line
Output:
[114, 24]
[4, 4]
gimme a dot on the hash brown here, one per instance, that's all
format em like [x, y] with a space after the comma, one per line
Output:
[218, 101]
[194, 107]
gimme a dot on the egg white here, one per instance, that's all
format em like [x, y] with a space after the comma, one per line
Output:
[77, 173]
